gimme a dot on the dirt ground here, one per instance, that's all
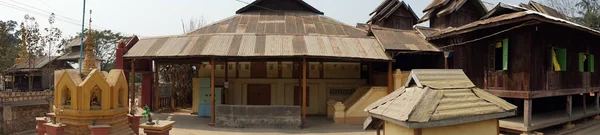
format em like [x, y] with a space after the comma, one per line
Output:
[194, 125]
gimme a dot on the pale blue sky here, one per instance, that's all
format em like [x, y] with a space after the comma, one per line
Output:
[163, 17]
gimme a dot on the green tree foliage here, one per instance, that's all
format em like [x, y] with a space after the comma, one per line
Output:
[9, 43]
[589, 15]
[106, 43]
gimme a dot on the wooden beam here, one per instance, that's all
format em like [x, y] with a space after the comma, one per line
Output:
[156, 77]
[527, 109]
[390, 78]
[212, 91]
[540, 93]
[569, 105]
[304, 90]
[133, 89]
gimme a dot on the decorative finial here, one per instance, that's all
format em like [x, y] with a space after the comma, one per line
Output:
[89, 61]
[90, 25]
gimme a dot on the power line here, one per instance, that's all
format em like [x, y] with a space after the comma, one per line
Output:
[58, 15]
[42, 12]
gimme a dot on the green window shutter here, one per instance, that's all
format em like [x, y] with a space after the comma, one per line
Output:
[581, 62]
[562, 59]
[505, 54]
[591, 64]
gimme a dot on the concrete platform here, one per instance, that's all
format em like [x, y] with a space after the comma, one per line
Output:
[539, 121]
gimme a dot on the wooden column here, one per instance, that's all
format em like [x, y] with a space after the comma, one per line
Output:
[212, 90]
[597, 101]
[390, 78]
[584, 104]
[132, 87]
[155, 86]
[226, 84]
[569, 105]
[304, 90]
[527, 108]
[371, 73]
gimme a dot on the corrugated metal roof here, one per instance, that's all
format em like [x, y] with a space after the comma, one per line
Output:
[426, 31]
[439, 78]
[425, 104]
[266, 34]
[259, 46]
[546, 10]
[434, 4]
[402, 40]
[504, 19]
[74, 55]
[444, 7]
[37, 63]
[281, 23]
[488, 6]
[281, 5]
[388, 7]
[503, 8]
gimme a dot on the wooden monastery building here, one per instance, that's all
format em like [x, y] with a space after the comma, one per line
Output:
[283, 55]
[515, 53]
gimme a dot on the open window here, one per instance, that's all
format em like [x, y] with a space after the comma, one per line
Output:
[559, 59]
[501, 55]
[586, 62]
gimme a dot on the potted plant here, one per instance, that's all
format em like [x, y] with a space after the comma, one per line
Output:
[148, 115]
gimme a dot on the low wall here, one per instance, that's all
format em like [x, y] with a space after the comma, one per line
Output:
[244, 116]
[21, 119]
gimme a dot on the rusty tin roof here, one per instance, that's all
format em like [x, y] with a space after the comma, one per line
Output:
[402, 40]
[266, 34]
[516, 17]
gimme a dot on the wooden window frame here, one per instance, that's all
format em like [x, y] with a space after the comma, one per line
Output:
[505, 53]
[590, 62]
[562, 61]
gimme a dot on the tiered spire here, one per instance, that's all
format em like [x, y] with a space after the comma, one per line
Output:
[23, 54]
[89, 61]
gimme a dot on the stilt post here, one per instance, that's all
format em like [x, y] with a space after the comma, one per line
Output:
[212, 90]
[597, 101]
[371, 73]
[390, 78]
[584, 105]
[527, 108]
[304, 90]
[569, 105]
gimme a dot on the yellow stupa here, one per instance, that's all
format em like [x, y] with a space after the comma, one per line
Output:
[92, 97]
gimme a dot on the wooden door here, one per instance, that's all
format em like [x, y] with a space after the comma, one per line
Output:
[259, 94]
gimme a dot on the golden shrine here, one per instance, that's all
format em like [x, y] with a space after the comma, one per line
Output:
[99, 99]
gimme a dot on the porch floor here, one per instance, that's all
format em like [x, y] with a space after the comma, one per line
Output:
[317, 125]
[544, 120]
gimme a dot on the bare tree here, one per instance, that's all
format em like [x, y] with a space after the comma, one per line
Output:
[193, 24]
[567, 7]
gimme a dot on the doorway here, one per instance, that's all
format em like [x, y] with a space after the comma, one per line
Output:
[259, 94]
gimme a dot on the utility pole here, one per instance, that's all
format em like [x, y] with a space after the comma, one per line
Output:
[81, 35]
